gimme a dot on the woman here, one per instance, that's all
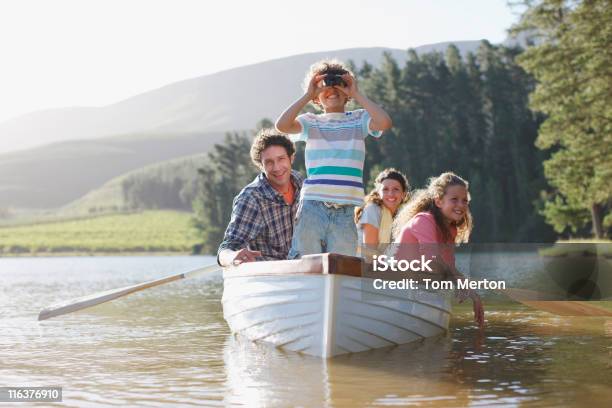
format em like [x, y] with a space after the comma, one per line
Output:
[375, 220]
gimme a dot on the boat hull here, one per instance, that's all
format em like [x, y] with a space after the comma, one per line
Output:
[326, 315]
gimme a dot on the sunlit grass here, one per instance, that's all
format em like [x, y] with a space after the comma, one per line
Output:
[149, 231]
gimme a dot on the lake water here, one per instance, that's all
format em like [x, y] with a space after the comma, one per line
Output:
[169, 346]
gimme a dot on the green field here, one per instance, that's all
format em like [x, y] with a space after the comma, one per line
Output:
[148, 231]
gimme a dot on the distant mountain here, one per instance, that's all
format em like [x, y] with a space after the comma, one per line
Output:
[227, 100]
[79, 149]
[53, 175]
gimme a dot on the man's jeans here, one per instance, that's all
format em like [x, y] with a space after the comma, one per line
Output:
[322, 229]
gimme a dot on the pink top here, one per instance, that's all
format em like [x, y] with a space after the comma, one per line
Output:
[422, 229]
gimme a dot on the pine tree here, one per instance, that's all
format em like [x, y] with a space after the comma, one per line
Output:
[570, 58]
[227, 171]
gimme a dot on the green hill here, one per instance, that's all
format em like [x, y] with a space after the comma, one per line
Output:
[164, 185]
[149, 231]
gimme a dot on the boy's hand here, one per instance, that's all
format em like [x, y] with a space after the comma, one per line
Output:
[350, 89]
[314, 87]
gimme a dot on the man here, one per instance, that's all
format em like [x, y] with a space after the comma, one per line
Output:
[261, 226]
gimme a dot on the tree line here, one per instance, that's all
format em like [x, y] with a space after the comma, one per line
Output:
[166, 185]
[468, 115]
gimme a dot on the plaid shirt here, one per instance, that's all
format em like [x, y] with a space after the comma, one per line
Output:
[262, 220]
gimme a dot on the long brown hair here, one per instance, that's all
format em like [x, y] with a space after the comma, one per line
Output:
[375, 198]
[424, 201]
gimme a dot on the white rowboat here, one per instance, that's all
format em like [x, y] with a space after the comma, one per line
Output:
[322, 306]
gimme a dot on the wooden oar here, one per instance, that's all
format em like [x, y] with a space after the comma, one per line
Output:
[84, 302]
[545, 302]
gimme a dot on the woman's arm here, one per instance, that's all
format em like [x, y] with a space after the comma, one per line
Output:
[370, 235]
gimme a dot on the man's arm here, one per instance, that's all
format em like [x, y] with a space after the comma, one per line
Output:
[228, 257]
[244, 226]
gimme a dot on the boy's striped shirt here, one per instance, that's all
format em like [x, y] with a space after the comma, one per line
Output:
[335, 153]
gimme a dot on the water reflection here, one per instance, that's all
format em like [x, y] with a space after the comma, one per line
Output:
[262, 375]
[509, 365]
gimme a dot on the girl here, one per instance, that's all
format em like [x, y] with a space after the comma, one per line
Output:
[375, 220]
[440, 216]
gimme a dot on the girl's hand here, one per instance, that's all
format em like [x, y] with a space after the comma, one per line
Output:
[463, 294]
[315, 87]
[478, 310]
[350, 89]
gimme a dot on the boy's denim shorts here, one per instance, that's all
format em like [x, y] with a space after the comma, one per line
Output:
[321, 228]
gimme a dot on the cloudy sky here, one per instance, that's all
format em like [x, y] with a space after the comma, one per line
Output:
[91, 53]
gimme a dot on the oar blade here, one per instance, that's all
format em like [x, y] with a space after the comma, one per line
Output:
[73, 305]
[84, 302]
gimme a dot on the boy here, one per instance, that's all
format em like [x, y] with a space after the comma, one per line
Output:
[335, 154]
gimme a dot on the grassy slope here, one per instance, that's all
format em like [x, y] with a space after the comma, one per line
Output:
[149, 231]
[109, 198]
[110, 195]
